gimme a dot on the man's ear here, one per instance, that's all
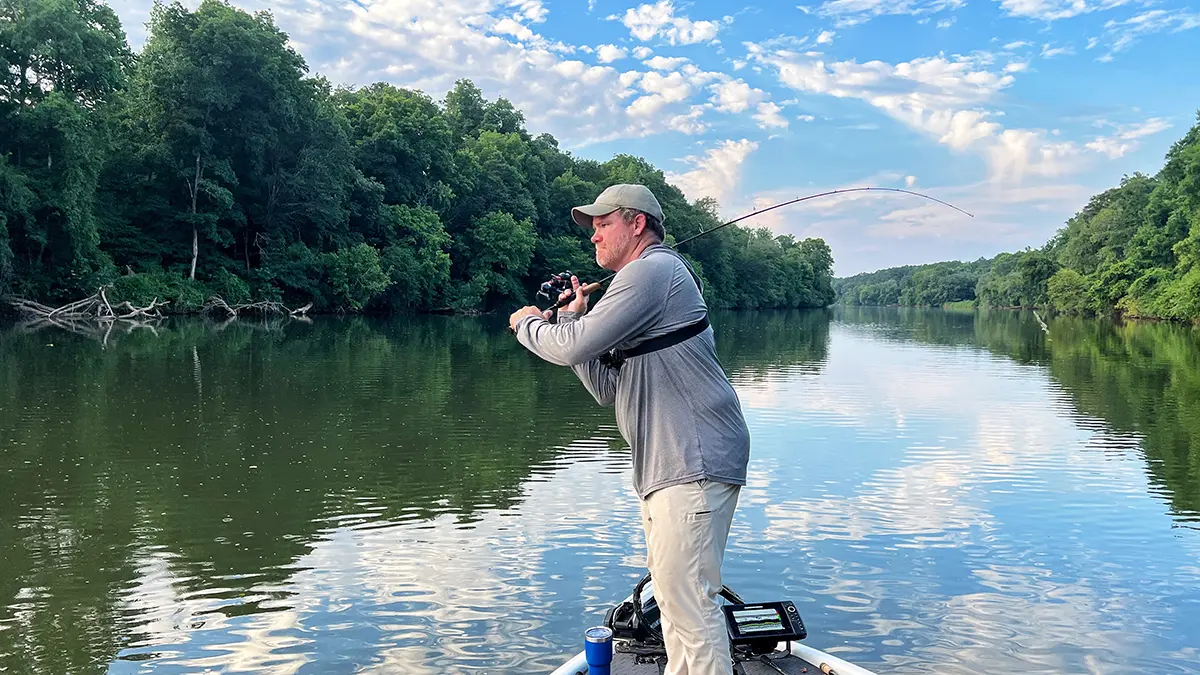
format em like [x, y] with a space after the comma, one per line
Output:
[639, 224]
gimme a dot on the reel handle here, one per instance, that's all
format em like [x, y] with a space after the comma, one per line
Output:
[586, 288]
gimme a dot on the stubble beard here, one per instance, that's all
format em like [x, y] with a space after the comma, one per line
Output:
[612, 252]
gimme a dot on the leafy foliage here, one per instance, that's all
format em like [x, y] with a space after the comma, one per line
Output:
[211, 162]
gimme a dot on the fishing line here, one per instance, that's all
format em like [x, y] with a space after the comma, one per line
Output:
[557, 281]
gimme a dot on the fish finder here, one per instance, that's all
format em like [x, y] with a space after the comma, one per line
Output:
[762, 625]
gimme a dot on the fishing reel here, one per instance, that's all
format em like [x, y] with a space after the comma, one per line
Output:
[555, 286]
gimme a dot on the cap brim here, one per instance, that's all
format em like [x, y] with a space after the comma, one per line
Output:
[582, 215]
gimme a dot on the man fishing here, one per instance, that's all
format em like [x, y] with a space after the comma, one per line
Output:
[647, 349]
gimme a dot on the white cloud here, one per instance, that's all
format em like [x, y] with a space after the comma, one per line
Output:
[645, 22]
[768, 116]
[735, 96]
[805, 118]
[689, 122]
[1121, 35]
[609, 53]
[941, 97]
[1052, 10]
[945, 23]
[660, 90]
[531, 10]
[665, 62]
[716, 174]
[1017, 45]
[672, 86]
[427, 45]
[826, 37]
[1125, 140]
[1016, 67]
[642, 52]
[1021, 153]
[507, 26]
[1049, 52]
[910, 181]
[698, 77]
[1110, 146]
[853, 12]
[1150, 126]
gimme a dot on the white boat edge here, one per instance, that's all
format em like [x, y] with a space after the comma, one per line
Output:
[578, 664]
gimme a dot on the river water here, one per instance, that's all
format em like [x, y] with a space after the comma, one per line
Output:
[938, 492]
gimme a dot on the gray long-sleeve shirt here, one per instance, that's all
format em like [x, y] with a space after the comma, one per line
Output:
[675, 406]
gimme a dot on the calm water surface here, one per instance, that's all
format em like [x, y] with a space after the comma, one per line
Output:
[938, 492]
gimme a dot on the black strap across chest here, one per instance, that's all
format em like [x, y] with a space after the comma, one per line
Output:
[616, 357]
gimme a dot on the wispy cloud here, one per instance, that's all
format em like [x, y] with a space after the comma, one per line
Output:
[853, 12]
[1053, 10]
[717, 174]
[1125, 140]
[1049, 52]
[941, 97]
[1120, 35]
[665, 62]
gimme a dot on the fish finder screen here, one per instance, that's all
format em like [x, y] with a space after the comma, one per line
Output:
[763, 621]
[751, 621]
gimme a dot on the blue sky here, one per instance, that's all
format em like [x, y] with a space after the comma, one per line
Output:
[1015, 110]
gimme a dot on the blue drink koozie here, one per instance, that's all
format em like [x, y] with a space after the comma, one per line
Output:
[598, 649]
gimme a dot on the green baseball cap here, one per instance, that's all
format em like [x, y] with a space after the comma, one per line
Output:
[622, 196]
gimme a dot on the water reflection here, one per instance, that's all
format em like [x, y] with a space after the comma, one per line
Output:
[939, 492]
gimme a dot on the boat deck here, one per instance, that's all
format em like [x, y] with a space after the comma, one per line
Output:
[625, 663]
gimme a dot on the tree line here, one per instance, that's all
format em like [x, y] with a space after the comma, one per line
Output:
[211, 163]
[1132, 250]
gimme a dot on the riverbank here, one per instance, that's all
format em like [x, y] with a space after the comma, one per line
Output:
[1116, 315]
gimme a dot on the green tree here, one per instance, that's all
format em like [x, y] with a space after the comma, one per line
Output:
[209, 97]
[403, 141]
[1068, 291]
[216, 165]
[63, 62]
[417, 261]
[356, 276]
[465, 110]
[502, 248]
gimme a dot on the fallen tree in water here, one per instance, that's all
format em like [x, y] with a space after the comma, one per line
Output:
[96, 307]
[94, 316]
[217, 304]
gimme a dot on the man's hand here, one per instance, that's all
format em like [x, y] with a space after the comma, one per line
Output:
[580, 304]
[527, 311]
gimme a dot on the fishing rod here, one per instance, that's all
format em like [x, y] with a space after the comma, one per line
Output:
[562, 281]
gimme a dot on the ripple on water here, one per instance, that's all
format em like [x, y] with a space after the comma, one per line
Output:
[931, 509]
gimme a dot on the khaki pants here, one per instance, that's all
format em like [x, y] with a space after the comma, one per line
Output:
[686, 530]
